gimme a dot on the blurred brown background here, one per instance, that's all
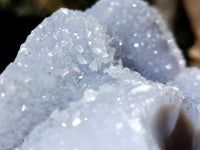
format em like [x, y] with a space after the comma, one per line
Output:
[183, 18]
[19, 17]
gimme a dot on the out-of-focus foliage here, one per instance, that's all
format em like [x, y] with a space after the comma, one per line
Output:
[4, 3]
[42, 7]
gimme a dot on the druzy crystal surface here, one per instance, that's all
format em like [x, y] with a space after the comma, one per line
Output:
[62, 57]
[117, 116]
[188, 81]
[96, 80]
[144, 43]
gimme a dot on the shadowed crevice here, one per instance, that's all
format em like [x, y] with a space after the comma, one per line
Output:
[173, 129]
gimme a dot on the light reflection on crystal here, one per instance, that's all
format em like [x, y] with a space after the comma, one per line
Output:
[134, 5]
[136, 45]
[76, 122]
[23, 108]
[50, 54]
[3, 94]
[155, 52]
[63, 124]
[169, 66]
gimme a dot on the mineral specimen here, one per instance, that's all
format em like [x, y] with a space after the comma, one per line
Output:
[116, 116]
[144, 43]
[63, 56]
[69, 87]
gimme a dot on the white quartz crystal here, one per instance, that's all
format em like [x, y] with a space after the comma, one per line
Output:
[144, 43]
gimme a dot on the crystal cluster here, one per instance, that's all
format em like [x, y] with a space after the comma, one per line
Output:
[62, 57]
[144, 44]
[116, 116]
[98, 80]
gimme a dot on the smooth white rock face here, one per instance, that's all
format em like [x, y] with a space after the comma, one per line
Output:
[63, 56]
[116, 116]
[144, 43]
[188, 81]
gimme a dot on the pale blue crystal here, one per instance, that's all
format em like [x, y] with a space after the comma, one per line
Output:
[143, 42]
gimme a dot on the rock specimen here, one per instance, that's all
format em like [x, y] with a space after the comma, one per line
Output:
[68, 90]
[62, 57]
[117, 116]
[145, 45]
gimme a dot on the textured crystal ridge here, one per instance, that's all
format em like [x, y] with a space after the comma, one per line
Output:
[103, 120]
[96, 80]
[142, 35]
[62, 57]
